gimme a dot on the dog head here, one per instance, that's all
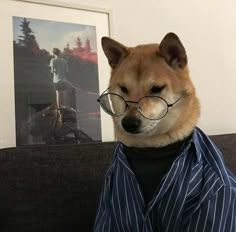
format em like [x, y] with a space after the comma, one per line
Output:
[151, 70]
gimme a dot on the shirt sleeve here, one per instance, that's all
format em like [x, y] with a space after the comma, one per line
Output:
[103, 218]
[100, 212]
[218, 214]
[51, 65]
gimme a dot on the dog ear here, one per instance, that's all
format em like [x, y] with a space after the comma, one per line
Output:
[173, 51]
[114, 51]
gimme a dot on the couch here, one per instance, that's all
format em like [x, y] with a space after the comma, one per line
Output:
[56, 187]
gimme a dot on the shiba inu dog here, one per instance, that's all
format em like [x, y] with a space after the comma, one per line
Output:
[166, 174]
[152, 70]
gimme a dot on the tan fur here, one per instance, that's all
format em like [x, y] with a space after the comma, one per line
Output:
[139, 69]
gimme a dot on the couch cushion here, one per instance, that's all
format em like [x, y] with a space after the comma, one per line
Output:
[52, 188]
[227, 145]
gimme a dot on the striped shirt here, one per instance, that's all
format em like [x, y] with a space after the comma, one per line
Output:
[197, 194]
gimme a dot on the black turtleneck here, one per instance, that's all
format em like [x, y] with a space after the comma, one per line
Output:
[151, 164]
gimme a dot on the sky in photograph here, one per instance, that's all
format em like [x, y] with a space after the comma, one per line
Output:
[50, 34]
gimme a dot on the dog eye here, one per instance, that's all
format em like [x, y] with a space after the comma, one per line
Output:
[156, 89]
[124, 89]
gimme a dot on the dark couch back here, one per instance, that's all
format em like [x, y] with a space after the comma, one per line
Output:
[56, 188]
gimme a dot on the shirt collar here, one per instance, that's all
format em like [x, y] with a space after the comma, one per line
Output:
[119, 154]
[196, 143]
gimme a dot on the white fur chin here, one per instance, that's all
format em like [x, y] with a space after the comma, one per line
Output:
[151, 139]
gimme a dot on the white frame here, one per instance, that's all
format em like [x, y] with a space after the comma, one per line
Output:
[74, 6]
[9, 8]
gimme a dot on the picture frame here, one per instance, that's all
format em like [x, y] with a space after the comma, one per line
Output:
[50, 11]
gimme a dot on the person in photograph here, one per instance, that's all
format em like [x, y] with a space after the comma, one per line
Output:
[60, 71]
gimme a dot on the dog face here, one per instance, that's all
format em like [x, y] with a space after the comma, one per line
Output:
[151, 70]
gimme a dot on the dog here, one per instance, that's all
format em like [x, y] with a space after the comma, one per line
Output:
[154, 107]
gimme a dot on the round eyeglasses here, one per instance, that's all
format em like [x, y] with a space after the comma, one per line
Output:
[150, 107]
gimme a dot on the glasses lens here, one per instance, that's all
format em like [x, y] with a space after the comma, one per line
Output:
[153, 107]
[112, 104]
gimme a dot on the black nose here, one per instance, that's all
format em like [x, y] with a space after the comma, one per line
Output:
[131, 124]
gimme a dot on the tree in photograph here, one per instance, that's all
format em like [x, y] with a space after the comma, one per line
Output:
[87, 46]
[78, 43]
[67, 51]
[27, 39]
[79, 46]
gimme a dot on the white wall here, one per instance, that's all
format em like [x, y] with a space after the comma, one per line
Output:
[208, 31]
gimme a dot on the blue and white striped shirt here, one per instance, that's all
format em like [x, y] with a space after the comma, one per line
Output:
[198, 194]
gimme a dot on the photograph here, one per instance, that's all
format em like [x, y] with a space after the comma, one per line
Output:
[56, 82]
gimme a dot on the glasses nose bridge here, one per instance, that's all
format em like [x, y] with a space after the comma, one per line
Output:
[135, 103]
[132, 102]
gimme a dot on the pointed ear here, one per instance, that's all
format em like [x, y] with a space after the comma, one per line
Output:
[173, 51]
[114, 51]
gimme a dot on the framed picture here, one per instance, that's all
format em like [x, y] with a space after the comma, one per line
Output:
[52, 70]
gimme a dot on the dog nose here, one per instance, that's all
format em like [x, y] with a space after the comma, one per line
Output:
[131, 124]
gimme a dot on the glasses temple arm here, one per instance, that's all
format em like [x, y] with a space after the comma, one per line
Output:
[170, 105]
[103, 93]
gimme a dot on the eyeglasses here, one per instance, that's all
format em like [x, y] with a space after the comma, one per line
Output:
[150, 107]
